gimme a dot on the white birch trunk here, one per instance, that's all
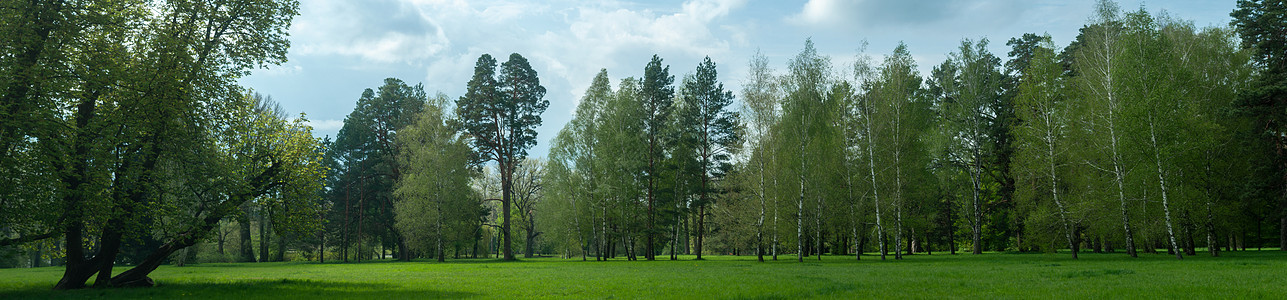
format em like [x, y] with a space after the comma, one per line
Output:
[1161, 178]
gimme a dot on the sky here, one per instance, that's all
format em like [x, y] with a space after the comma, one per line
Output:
[341, 47]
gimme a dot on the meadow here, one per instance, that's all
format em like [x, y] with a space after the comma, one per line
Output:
[1250, 274]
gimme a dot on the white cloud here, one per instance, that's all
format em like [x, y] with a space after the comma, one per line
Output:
[688, 30]
[326, 125]
[384, 31]
[857, 15]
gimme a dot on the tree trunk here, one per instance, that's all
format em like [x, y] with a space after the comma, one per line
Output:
[222, 237]
[603, 241]
[530, 249]
[862, 243]
[264, 236]
[246, 247]
[1282, 231]
[976, 226]
[1075, 246]
[137, 276]
[321, 246]
[576, 221]
[759, 223]
[674, 238]
[701, 224]
[1054, 188]
[818, 230]
[78, 268]
[927, 243]
[507, 175]
[108, 250]
[799, 221]
[652, 174]
[1161, 177]
[440, 249]
[775, 223]
[1119, 175]
[912, 244]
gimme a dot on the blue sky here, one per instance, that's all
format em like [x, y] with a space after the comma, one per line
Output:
[340, 47]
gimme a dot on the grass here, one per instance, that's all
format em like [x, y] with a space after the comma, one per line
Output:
[1252, 274]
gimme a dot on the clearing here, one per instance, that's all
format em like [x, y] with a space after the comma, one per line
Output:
[1249, 274]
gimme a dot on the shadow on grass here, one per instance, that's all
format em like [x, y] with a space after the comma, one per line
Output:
[244, 289]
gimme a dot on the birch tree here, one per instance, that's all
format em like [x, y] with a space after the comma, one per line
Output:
[969, 114]
[899, 119]
[761, 99]
[804, 85]
[436, 179]
[1098, 63]
[1041, 154]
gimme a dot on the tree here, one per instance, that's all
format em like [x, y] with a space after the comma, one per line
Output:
[1041, 155]
[716, 130]
[805, 86]
[572, 172]
[1260, 24]
[867, 119]
[1098, 62]
[434, 191]
[529, 188]
[368, 148]
[500, 114]
[261, 156]
[969, 114]
[657, 95]
[621, 169]
[761, 98]
[901, 119]
[163, 74]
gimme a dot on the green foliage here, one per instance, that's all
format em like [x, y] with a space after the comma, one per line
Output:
[436, 205]
[367, 168]
[500, 115]
[130, 108]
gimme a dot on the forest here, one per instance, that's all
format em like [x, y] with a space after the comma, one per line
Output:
[129, 143]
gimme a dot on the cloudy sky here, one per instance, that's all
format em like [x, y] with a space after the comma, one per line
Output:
[340, 47]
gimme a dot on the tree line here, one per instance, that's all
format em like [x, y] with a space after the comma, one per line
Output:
[1146, 133]
[127, 141]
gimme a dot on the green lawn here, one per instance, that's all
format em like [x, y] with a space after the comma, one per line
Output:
[1254, 274]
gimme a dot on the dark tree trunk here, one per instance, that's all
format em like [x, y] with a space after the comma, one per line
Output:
[138, 276]
[1075, 246]
[1282, 230]
[701, 223]
[264, 236]
[530, 250]
[652, 174]
[926, 243]
[951, 231]
[321, 247]
[78, 268]
[345, 240]
[1190, 247]
[108, 249]
[247, 250]
[281, 248]
[862, 243]
[507, 174]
